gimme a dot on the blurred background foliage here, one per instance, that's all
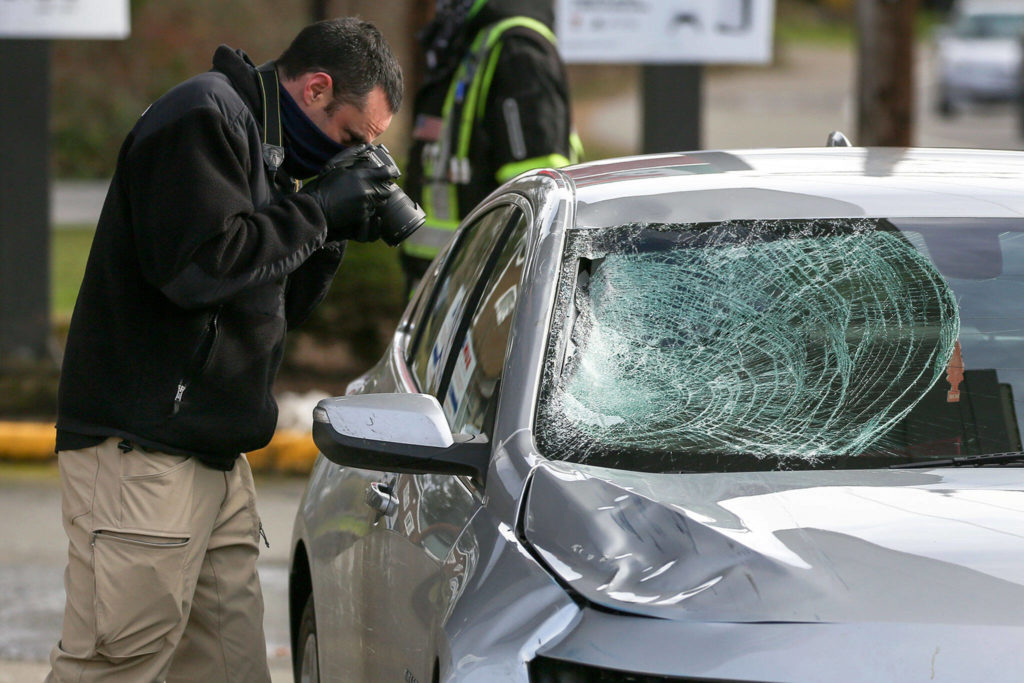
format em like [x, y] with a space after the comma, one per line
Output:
[100, 87]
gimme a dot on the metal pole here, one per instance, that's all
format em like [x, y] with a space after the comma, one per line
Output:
[24, 201]
[671, 107]
[885, 72]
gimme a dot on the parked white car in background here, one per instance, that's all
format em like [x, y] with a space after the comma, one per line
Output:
[978, 54]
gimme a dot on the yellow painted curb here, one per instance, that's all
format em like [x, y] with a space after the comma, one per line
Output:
[27, 440]
[289, 450]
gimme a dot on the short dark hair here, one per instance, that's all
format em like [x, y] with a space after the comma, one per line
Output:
[353, 52]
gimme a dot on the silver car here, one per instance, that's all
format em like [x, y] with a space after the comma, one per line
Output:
[978, 54]
[739, 416]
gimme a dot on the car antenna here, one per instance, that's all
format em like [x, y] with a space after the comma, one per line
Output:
[837, 139]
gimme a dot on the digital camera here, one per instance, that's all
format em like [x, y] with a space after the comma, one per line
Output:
[399, 215]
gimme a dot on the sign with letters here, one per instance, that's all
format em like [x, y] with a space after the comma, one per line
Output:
[64, 19]
[665, 31]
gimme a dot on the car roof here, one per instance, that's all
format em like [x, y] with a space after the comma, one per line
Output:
[989, 7]
[826, 182]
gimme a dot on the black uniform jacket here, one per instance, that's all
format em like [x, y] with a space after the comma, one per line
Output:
[527, 113]
[199, 264]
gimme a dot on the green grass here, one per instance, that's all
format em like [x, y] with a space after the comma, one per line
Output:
[805, 23]
[70, 250]
[805, 26]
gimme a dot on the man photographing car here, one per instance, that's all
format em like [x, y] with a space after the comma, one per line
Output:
[209, 247]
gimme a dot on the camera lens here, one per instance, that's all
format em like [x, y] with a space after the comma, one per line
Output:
[400, 216]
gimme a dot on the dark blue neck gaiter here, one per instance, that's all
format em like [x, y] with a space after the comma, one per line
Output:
[306, 147]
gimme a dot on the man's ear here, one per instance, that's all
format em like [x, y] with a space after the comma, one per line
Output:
[318, 88]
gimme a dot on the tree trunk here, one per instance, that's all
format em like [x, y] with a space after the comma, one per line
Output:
[885, 72]
[319, 9]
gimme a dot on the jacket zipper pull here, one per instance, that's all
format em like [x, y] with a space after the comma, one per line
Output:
[177, 398]
[264, 535]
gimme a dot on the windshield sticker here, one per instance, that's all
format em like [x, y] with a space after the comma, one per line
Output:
[737, 340]
[465, 366]
[955, 375]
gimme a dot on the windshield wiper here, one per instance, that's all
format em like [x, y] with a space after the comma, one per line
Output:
[965, 461]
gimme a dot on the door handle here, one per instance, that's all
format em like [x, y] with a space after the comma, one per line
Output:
[380, 498]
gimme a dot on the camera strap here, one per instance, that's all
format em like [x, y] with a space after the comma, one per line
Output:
[273, 150]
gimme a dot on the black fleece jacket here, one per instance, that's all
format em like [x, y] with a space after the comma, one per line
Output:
[199, 265]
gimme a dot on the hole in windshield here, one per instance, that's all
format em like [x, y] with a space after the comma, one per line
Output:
[774, 345]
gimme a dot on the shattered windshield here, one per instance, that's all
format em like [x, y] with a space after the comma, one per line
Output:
[839, 343]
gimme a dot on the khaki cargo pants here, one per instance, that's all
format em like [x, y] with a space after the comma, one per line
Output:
[161, 579]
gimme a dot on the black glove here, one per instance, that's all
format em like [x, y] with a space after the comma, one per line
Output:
[349, 198]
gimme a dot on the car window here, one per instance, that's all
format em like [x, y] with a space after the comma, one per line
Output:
[459, 276]
[839, 343]
[990, 26]
[417, 307]
[471, 397]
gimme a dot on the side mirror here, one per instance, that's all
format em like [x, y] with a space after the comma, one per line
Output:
[396, 433]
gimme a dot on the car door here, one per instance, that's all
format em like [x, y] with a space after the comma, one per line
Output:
[458, 356]
[352, 540]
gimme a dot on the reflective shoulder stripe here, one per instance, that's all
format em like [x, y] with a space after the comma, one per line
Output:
[468, 90]
[575, 148]
[497, 29]
[477, 4]
[437, 224]
[478, 90]
[488, 76]
[509, 171]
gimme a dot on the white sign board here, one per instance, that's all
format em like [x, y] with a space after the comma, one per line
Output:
[64, 19]
[665, 31]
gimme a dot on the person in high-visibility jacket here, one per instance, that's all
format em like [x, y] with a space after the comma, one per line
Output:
[494, 103]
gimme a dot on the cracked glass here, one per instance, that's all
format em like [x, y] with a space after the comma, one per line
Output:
[784, 344]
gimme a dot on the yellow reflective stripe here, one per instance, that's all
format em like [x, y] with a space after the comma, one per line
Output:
[453, 205]
[527, 22]
[426, 201]
[468, 109]
[516, 167]
[473, 100]
[485, 40]
[492, 63]
[575, 147]
[438, 224]
[475, 8]
[444, 140]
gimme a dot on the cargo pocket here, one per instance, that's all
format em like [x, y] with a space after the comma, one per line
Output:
[139, 589]
[156, 493]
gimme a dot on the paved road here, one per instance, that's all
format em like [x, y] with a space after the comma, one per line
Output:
[34, 554]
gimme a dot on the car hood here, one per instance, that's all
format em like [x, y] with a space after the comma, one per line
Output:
[938, 546]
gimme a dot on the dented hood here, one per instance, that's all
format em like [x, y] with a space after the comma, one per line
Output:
[938, 546]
